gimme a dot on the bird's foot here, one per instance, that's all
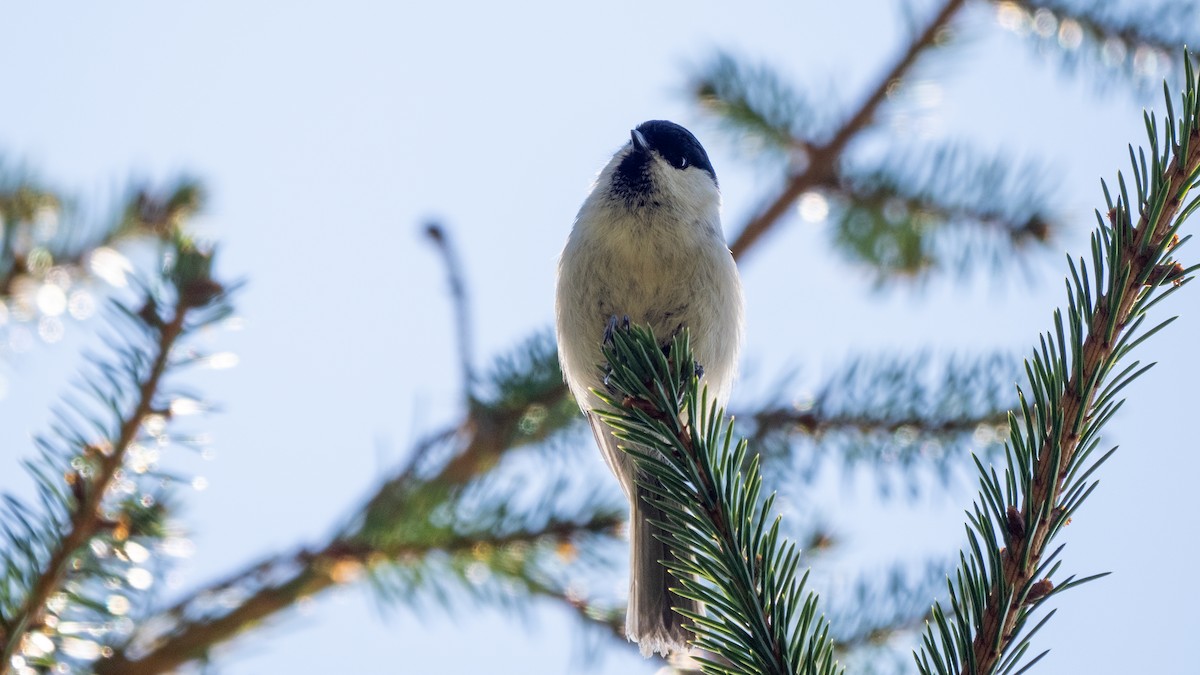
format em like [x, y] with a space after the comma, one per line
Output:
[613, 325]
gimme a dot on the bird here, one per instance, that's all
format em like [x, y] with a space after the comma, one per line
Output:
[647, 246]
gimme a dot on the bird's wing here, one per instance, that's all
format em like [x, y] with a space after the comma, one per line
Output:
[620, 463]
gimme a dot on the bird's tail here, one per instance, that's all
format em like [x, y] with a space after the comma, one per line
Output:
[652, 621]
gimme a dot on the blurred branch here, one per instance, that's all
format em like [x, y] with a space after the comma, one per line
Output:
[816, 424]
[882, 607]
[1139, 40]
[528, 403]
[906, 411]
[22, 203]
[28, 249]
[823, 158]
[524, 403]
[437, 234]
[404, 521]
[51, 258]
[758, 104]
[94, 502]
[182, 633]
[928, 208]
[416, 528]
[914, 211]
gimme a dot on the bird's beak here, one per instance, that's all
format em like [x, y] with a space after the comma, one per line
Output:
[639, 141]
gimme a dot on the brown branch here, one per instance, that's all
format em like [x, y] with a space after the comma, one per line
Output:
[878, 635]
[1131, 30]
[437, 235]
[710, 505]
[486, 434]
[999, 617]
[307, 573]
[87, 521]
[147, 217]
[490, 434]
[823, 158]
[1036, 227]
[814, 423]
[18, 207]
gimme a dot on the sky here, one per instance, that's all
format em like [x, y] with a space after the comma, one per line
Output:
[327, 135]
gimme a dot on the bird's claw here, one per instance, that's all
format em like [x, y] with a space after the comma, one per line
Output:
[613, 324]
[608, 385]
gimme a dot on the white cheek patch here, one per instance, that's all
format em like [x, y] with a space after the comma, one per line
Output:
[693, 189]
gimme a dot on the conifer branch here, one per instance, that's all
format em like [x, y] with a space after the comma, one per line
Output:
[88, 521]
[916, 210]
[20, 205]
[83, 511]
[756, 103]
[945, 206]
[817, 424]
[756, 617]
[892, 412]
[1136, 39]
[155, 214]
[823, 157]
[278, 583]
[1007, 573]
[397, 529]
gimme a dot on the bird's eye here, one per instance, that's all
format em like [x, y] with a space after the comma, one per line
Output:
[683, 162]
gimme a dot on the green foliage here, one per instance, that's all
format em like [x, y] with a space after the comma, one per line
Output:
[757, 617]
[898, 415]
[909, 213]
[44, 238]
[85, 553]
[1008, 571]
[755, 104]
[493, 536]
[492, 508]
[941, 207]
[528, 381]
[872, 619]
[1135, 41]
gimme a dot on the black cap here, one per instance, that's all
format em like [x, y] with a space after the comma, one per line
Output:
[676, 145]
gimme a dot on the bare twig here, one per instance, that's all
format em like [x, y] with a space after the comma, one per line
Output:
[458, 294]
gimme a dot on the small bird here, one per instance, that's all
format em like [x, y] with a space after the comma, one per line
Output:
[647, 244]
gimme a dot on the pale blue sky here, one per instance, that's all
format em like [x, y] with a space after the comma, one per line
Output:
[327, 133]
